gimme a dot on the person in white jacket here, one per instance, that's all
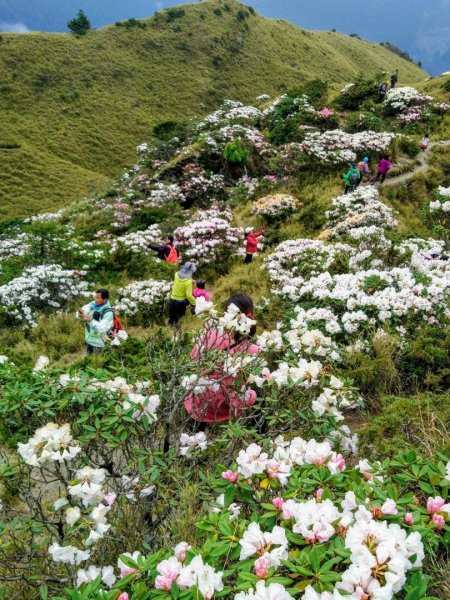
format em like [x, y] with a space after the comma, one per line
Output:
[99, 321]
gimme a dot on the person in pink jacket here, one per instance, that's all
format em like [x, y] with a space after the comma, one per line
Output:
[382, 170]
[220, 398]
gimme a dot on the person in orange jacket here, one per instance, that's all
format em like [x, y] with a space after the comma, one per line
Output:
[251, 246]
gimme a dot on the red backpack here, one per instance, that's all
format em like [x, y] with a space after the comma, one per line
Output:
[172, 257]
[118, 325]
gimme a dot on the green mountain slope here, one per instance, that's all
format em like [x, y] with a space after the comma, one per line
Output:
[73, 110]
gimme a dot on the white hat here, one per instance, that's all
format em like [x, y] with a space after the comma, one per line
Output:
[248, 229]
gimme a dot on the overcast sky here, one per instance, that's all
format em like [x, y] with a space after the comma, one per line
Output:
[422, 27]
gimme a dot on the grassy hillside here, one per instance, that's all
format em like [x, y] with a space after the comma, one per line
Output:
[74, 109]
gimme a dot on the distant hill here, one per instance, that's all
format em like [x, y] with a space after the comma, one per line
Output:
[73, 109]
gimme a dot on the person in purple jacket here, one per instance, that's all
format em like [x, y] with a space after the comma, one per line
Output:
[382, 170]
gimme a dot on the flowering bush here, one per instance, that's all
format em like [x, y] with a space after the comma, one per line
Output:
[231, 112]
[144, 300]
[40, 288]
[209, 237]
[139, 240]
[292, 516]
[353, 213]
[400, 98]
[336, 146]
[277, 205]
[439, 210]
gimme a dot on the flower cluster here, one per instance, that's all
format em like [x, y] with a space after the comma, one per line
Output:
[336, 146]
[400, 98]
[188, 443]
[142, 296]
[276, 205]
[209, 236]
[230, 112]
[40, 288]
[353, 213]
[138, 241]
[49, 443]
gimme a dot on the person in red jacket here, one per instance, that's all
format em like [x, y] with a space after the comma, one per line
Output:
[251, 246]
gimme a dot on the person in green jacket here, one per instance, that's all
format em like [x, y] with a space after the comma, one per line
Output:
[351, 178]
[181, 295]
[99, 320]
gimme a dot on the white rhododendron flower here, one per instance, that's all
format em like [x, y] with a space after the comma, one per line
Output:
[92, 572]
[255, 541]
[49, 443]
[68, 554]
[203, 576]
[274, 591]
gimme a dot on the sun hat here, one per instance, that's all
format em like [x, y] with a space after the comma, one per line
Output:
[187, 270]
[248, 229]
[366, 159]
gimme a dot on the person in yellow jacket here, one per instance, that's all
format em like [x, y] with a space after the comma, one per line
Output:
[181, 295]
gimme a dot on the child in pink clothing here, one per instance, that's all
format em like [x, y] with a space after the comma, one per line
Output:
[200, 290]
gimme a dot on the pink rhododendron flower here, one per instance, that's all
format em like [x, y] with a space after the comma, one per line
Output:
[168, 572]
[181, 551]
[434, 505]
[409, 520]
[319, 494]
[261, 567]
[123, 596]
[230, 476]
[278, 502]
[438, 521]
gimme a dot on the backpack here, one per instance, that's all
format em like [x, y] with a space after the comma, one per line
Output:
[172, 257]
[354, 177]
[118, 325]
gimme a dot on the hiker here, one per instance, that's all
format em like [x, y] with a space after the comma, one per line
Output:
[394, 79]
[251, 245]
[435, 253]
[222, 400]
[383, 168]
[181, 295]
[352, 179]
[200, 290]
[382, 91]
[424, 142]
[363, 168]
[167, 252]
[99, 321]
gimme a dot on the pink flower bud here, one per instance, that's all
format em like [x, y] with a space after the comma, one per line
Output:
[319, 494]
[438, 521]
[409, 520]
[261, 567]
[230, 476]
[123, 596]
[110, 498]
[124, 571]
[434, 505]
[278, 502]
[376, 512]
